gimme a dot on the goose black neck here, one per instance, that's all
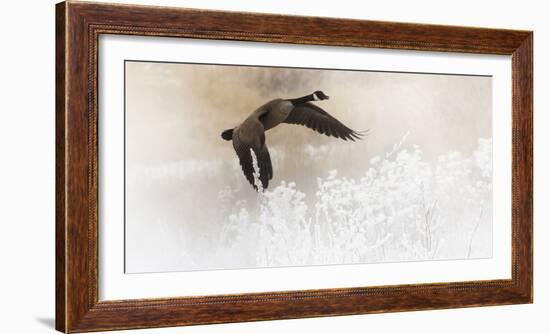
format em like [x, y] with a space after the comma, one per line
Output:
[302, 99]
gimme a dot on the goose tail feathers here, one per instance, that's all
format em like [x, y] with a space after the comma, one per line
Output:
[227, 134]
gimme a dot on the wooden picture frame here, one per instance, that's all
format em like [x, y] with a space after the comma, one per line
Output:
[78, 26]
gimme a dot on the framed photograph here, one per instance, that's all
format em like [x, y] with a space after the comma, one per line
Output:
[222, 167]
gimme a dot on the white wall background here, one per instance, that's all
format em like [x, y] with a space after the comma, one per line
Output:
[27, 165]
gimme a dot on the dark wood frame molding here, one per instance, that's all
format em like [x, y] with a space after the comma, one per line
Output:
[78, 25]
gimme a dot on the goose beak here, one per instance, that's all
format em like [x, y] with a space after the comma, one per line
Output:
[328, 97]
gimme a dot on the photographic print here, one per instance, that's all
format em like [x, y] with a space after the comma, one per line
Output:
[217, 167]
[241, 167]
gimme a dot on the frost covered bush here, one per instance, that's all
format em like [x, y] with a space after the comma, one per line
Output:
[402, 209]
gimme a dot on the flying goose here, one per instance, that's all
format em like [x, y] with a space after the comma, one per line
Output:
[250, 134]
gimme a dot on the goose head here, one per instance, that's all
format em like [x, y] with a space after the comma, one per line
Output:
[319, 95]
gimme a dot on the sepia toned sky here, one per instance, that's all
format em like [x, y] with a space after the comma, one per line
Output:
[177, 111]
[177, 164]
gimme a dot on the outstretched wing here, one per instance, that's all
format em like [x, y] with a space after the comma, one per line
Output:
[250, 138]
[315, 118]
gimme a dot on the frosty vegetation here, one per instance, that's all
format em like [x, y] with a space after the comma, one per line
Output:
[402, 209]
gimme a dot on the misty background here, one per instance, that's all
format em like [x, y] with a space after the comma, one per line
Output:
[179, 171]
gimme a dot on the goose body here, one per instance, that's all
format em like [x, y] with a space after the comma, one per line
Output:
[273, 113]
[250, 134]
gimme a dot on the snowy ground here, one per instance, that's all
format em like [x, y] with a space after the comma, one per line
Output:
[403, 208]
